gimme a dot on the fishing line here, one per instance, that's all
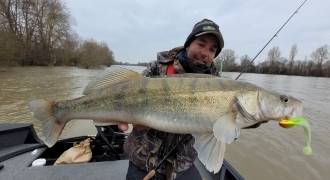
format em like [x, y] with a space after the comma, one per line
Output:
[294, 13]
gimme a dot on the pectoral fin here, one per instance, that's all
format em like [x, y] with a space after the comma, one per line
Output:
[210, 151]
[225, 129]
[211, 147]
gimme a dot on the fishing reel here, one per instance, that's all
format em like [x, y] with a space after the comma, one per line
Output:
[109, 143]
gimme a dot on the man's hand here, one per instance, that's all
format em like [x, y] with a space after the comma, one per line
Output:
[124, 126]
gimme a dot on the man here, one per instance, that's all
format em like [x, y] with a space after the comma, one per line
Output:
[147, 147]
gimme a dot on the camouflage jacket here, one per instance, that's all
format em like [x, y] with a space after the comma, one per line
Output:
[147, 147]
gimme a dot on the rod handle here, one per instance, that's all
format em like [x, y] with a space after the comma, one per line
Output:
[150, 175]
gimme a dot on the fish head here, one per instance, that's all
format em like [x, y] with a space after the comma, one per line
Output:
[260, 106]
[275, 106]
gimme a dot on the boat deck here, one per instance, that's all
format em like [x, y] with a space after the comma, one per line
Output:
[19, 168]
[19, 147]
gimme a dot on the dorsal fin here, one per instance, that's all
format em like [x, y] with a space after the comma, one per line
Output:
[112, 76]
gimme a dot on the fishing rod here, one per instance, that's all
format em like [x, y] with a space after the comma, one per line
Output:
[294, 13]
[153, 172]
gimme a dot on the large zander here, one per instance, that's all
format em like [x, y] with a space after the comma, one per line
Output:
[212, 109]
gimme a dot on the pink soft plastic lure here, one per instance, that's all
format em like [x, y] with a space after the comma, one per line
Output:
[300, 121]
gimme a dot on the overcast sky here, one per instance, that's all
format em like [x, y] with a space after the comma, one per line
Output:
[135, 30]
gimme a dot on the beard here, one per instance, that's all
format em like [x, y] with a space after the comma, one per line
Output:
[193, 67]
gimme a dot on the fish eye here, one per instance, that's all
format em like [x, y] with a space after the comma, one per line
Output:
[284, 98]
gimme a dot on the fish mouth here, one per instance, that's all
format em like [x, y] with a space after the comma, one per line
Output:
[287, 122]
[293, 118]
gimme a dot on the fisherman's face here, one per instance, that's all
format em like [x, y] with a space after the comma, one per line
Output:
[202, 50]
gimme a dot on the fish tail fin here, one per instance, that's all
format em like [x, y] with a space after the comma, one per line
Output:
[52, 127]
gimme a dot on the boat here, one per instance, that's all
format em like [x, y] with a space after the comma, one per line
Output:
[20, 148]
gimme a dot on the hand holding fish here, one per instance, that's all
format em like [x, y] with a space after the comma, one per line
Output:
[123, 126]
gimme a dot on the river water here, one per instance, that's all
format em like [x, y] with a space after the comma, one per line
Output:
[268, 152]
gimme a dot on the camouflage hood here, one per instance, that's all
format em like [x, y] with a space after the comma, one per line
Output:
[177, 56]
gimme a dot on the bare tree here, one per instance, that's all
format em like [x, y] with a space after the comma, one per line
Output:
[93, 54]
[326, 67]
[9, 48]
[246, 64]
[227, 56]
[274, 56]
[53, 26]
[67, 52]
[292, 55]
[319, 56]
[11, 34]
[38, 26]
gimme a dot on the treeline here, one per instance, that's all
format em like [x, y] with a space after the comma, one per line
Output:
[38, 32]
[317, 64]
